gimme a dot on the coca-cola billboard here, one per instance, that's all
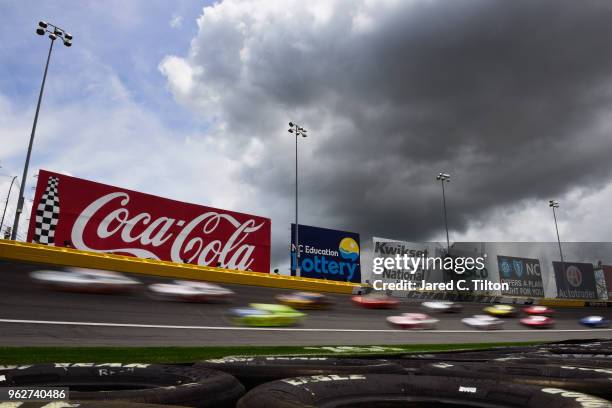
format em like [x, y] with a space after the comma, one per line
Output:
[68, 211]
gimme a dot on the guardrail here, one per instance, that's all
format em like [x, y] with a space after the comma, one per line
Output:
[60, 256]
[562, 302]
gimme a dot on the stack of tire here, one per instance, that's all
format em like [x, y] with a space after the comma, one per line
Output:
[121, 385]
[428, 380]
[566, 374]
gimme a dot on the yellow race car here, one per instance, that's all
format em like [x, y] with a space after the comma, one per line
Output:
[500, 310]
[266, 315]
[304, 300]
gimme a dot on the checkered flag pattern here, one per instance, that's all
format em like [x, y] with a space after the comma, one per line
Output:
[47, 214]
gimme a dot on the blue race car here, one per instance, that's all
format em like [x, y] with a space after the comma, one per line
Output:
[597, 322]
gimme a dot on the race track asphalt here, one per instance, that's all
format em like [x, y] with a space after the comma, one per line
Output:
[31, 315]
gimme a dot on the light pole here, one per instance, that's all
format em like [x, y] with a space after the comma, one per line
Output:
[55, 32]
[555, 204]
[443, 177]
[299, 131]
[6, 203]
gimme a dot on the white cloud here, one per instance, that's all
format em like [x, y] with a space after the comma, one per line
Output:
[176, 22]
[180, 75]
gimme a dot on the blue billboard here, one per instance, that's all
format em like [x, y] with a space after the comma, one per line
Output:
[327, 254]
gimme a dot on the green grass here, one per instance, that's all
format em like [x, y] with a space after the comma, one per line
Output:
[30, 355]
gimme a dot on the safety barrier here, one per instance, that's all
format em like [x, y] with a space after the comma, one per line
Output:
[517, 300]
[562, 302]
[59, 256]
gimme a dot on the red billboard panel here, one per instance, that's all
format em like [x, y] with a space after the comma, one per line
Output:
[70, 211]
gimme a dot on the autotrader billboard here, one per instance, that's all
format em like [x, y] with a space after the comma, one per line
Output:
[70, 211]
[327, 254]
[523, 275]
[575, 280]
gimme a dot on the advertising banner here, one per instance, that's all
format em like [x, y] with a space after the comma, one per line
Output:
[471, 250]
[523, 275]
[327, 254]
[388, 248]
[607, 270]
[72, 212]
[575, 280]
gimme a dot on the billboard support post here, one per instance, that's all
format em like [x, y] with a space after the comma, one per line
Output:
[53, 35]
[555, 204]
[442, 177]
[7, 201]
[299, 131]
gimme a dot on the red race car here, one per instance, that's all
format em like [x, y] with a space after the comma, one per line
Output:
[538, 310]
[375, 301]
[537, 322]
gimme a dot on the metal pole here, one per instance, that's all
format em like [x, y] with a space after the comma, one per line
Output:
[6, 203]
[558, 239]
[27, 162]
[445, 219]
[297, 239]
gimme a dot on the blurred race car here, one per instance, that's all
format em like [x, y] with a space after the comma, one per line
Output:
[537, 322]
[445, 307]
[484, 322]
[500, 310]
[538, 310]
[597, 322]
[190, 291]
[85, 280]
[304, 300]
[375, 301]
[266, 315]
[413, 321]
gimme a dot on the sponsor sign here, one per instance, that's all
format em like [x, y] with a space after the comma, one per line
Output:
[327, 254]
[523, 275]
[387, 248]
[82, 214]
[575, 280]
[607, 271]
[470, 250]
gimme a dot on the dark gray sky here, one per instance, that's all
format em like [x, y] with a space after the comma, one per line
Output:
[513, 98]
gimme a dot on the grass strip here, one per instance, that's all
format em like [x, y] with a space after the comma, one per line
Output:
[31, 355]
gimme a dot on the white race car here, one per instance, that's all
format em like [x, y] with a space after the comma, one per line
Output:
[190, 291]
[443, 307]
[85, 280]
[413, 321]
[484, 322]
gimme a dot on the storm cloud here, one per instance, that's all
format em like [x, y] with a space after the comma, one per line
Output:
[512, 98]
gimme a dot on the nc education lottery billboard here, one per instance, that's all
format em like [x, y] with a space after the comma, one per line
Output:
[575, 280]
[327, 254]
[523, 275]
[70, 211]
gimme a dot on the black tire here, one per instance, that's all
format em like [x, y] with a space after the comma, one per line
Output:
[389, 390]
[594, 381]
[467, 355]
[554, 360]
[253, 371]
[591, 355]
[144, 383]
[607, 350]
[91, 404]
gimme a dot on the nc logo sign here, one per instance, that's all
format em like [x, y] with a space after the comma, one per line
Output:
[518, 268]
